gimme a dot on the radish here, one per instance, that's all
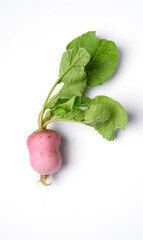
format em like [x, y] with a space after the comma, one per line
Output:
[87, 62]
[44, 152]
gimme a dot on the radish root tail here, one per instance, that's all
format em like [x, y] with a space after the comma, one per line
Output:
[43, 180]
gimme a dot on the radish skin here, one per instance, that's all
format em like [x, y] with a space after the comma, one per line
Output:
[44, 153]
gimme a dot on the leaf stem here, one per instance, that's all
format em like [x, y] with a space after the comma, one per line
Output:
[40, 118]
[60, 119]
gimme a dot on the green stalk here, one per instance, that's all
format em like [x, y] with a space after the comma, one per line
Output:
[59, 119]
[40, 118]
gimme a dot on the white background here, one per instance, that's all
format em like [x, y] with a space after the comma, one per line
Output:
[98, 193]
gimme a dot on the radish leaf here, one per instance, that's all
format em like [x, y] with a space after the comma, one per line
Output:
[117, 119]
[88, 61]
[103, 59]
[72, 65]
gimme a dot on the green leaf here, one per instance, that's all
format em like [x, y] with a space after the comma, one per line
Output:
[87, 41]
[118, 117]
[62, 109]
[58, 112]
[72, 65]
[71, 110]
[68, 91]
[103, 54]
[96, 114]
[85, 102]
[102, 113]
[75, 115]
[67, 105]
[103, 64]
[73, 89]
